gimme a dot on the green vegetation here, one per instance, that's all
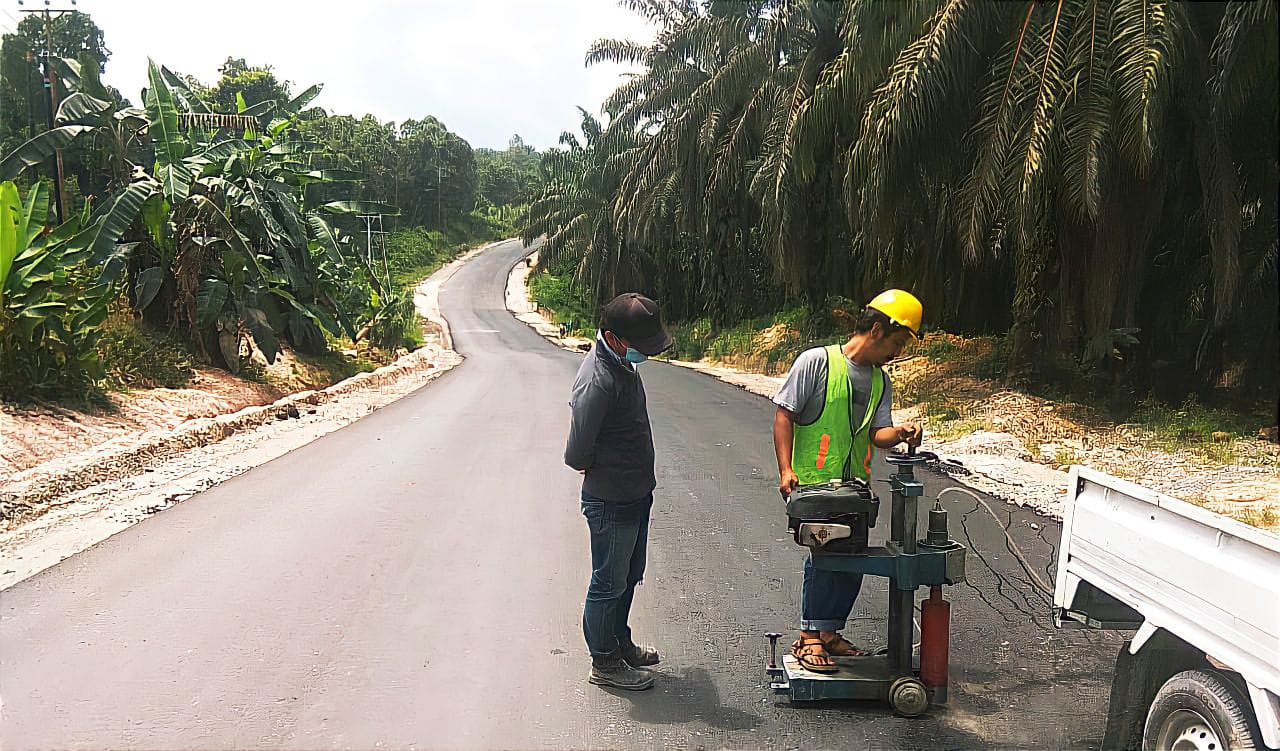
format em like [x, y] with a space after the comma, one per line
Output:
[216, 220]
[50, 307]
[508, 178]
[566, 303]
[956, 370]
[1210, 432]
[767, 344]
[137, 356]
[1093, 182]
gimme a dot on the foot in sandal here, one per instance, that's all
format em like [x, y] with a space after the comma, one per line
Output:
[811, 652]
[839, 646]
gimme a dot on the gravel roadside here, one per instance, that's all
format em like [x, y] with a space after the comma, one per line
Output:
[56, 509]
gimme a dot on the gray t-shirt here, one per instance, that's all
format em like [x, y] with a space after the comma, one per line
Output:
[804, 393]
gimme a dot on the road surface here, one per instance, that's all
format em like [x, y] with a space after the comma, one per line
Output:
[415, 580]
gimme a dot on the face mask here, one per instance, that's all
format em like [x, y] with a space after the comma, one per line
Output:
[636, 357]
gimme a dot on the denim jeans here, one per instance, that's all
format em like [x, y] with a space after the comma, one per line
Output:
[827, 598]
[619, 537]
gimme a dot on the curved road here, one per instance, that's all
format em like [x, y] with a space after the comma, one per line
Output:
[415, 580]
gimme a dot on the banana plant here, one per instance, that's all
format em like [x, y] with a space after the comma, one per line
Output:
[50, 309]
[209, 229]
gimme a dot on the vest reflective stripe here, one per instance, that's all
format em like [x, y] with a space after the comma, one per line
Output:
[831, 447]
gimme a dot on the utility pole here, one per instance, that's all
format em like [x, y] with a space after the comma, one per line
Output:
[51, 93]
[369, 221]
[31, 100]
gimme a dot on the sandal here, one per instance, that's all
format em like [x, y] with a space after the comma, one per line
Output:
[812, 655]
[842, 647]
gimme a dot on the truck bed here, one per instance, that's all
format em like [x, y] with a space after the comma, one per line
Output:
[1134, 558]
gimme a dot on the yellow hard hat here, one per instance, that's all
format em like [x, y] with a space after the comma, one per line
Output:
[901, 307]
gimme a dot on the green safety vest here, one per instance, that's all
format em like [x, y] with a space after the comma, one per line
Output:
[826, 449]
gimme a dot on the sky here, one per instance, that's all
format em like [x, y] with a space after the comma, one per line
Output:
[485, 68]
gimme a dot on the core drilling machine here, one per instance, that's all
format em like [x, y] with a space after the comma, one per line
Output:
[832, 520]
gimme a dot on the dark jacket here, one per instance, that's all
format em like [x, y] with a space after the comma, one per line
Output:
[609, 433]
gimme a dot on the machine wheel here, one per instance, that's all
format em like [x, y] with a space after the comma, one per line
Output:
[1198, 710]
[908, 697]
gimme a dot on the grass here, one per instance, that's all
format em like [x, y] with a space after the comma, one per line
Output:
[951, 429]
[1266, 517]
[335, 366]
[766, 344]
[567, 304]
[138, 356]
[315, 371]
[416, 253]
[1208, 432]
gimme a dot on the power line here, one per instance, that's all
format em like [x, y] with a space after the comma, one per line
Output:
[49, 13]
[369, 221]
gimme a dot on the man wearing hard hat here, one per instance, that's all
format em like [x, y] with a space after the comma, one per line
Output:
[834, 406]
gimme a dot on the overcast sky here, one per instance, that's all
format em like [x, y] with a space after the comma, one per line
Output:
[486, 68]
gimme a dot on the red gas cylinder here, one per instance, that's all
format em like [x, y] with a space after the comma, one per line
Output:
[935, 639]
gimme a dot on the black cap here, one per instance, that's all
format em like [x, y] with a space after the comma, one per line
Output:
[637, 319]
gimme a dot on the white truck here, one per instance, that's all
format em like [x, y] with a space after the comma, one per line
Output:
[1201, 593]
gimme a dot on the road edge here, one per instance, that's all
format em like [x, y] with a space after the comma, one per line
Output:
[26, 496]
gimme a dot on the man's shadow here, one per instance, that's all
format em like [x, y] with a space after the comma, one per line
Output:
[682, 697]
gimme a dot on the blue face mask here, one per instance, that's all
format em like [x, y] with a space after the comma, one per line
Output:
[634, 356]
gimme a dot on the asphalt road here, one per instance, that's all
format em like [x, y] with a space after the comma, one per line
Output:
[416, 580]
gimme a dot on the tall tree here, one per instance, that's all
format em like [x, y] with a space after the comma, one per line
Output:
[23, 106]
[256, 84]
[1097, 177]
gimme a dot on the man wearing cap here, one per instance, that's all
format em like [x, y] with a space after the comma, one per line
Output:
[834, 406]
[611, 444]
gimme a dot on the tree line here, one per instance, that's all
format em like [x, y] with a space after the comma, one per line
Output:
[1094, 179]
[228, 213]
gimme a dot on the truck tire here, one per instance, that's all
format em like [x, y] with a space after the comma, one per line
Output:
[1200, 710]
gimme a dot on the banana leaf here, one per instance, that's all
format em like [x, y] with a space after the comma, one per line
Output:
[298, 103]
[80, 106]
[263, 334]
[111, 220]
[170, 145]
[40, 148]
[327, 238]
[360, 207]
[190, 101]
[210, 299]
[148, 285]
[10, 206]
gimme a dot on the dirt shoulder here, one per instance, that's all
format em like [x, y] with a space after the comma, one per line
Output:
[72, 479]
[32, 435]
[1018, 447]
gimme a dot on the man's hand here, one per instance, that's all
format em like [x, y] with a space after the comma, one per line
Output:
[787, 483]
[910, 434]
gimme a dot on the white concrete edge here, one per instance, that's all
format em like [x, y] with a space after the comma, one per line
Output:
[426, 296]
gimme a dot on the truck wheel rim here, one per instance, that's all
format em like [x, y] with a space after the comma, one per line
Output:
[1187, 730]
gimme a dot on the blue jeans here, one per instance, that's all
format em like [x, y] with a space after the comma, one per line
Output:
[827, 598]
[619, 537]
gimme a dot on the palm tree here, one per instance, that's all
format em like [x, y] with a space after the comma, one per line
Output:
[575, 212]
[1096, 176]
[1097, 119]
